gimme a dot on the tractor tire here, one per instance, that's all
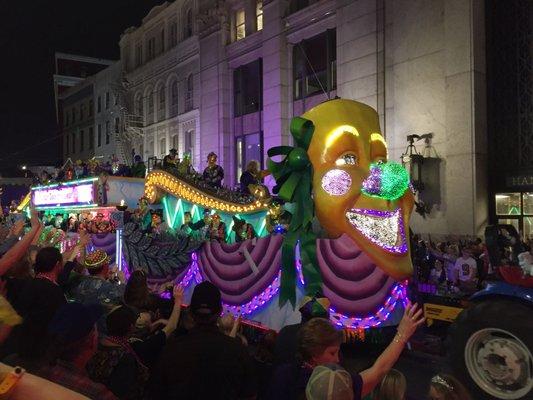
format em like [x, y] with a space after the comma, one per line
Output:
[490, 346]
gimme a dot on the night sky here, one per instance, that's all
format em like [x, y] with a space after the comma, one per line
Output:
[30, 33]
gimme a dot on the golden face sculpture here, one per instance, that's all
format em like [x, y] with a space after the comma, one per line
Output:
[356, 192]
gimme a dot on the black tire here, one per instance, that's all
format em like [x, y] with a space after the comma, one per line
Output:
[492, 314]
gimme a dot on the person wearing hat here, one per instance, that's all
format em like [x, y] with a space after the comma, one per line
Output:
[138, 169]
[100, 286]
[74, 339]
[319, 344]
[330, 382]
[243, 230]
[170, 160]
[213, 173]
[205, 363]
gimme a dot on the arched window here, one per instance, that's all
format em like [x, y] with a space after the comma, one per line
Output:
[174, 98]
[139, 109]
[161, 107]
[189, 94]
[188, 23]
[150, 116]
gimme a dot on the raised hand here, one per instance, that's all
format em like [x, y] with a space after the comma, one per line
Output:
[413, 317]
[178, 294]
[17, 228]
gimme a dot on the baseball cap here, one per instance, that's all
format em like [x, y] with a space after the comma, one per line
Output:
[206, 299]
[74, 321]
[329, 382]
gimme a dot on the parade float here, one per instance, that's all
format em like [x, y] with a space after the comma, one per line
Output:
[342, 230]
[94, 203]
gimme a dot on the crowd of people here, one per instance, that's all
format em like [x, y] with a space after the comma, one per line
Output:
[79, 328]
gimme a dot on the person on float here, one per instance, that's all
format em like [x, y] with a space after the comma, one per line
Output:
[185, 167]
[213, 173]
[99, 224]
[243, 230]
[277, 219]
[217, 229]
[170, 160]
[251, 176]
[138, 169]
[158, 226]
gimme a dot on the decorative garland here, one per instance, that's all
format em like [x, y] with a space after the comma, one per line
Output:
[294, 175]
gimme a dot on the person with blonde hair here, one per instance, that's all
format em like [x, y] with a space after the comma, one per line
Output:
[392, 387]
[446, 387]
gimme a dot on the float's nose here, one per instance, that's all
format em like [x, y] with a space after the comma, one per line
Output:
[387, 181]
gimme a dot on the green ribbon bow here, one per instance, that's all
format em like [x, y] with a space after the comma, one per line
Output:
[294, 184]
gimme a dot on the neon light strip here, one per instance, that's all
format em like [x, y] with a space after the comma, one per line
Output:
[398, 292]
[67, 183]
[66, 207]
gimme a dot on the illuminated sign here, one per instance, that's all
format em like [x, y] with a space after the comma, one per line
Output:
[59, 196]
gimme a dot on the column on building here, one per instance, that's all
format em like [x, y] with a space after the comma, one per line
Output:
[276, 95]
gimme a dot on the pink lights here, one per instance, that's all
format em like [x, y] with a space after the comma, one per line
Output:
[59, 196]
[336, 182]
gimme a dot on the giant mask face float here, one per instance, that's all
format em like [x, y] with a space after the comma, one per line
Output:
[356, 191]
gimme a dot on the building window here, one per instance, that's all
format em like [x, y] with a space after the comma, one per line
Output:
[115, 98]
[175, 142]
[91, 138]
[248, 88]
[188, 24]
[138, 55]
[240, 26]
[73, 148]
[99, 104]
[162, 40]
[91, 108]
[117, 125]
[82, 140]
[107, 132]
[297, 5]
[163, 147]
[99, 133]
[67, 147]
[73, 114]
[161, 108]
[189, 94]
[173, 33]
[151, 107]
[107, 100]
[249, 148]
[259, 14]
[67, 119]
[139, 106]
[151, 49]
[174, 98]
[82, 111]
[188, 145]
[314, 65]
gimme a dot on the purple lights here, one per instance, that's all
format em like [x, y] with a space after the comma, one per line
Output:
[398, 293]
[336, 182]
[263, 299]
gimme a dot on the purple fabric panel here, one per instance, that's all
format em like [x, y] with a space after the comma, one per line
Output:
[355, 268]
[360, 308]
[237, 282]
[352, 282]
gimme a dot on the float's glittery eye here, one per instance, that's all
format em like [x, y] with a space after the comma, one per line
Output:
[336, 182]
[347, 159]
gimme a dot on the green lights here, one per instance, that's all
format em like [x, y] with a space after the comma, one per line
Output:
[65, 209]
[68, 183]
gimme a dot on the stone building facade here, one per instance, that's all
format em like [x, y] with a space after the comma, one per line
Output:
[227, 76]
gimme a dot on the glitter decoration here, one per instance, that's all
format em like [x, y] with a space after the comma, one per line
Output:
[336, 182]
[372, 184]
[257, 301]
[383, 228]
[398, 293]
[387, 181]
